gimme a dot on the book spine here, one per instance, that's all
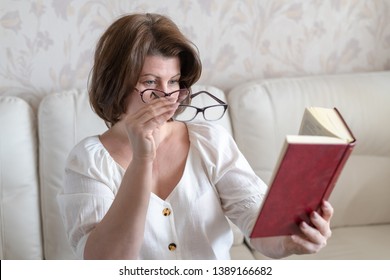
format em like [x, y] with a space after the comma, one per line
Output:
[337, 172]
[345, 124]
[342, 162]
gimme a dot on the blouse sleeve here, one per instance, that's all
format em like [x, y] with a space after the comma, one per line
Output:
[87, 194]
[241, 191]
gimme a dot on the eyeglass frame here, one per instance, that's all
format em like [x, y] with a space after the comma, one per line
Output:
[198, 110]
[141, 93]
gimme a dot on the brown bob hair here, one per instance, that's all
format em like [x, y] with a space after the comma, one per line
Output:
[120, 55]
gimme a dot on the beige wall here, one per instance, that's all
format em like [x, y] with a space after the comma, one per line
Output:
[47, 45]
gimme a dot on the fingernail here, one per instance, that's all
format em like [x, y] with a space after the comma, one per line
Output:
[325, 204]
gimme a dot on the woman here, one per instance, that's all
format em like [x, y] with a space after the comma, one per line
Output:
[151, 187]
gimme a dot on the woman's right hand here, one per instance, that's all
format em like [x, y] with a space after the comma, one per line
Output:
[143, 126]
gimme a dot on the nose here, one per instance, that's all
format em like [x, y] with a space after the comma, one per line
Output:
[164, 88]
[172, 97]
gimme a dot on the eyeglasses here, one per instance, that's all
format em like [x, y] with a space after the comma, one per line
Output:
[210, 113]
[148, 95]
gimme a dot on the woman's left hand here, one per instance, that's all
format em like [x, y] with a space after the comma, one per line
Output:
[313, 238]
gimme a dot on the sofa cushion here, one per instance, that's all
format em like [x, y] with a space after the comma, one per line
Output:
[64, 119]
[20, 220]
[263, 112]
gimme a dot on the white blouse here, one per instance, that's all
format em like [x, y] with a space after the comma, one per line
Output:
[191, 222]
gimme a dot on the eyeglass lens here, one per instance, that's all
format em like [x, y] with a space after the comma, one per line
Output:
[211, 113]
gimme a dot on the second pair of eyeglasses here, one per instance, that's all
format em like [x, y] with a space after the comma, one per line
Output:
[187, 113]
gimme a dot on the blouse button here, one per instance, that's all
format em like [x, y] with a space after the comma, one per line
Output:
[172, 247]
[166, 212]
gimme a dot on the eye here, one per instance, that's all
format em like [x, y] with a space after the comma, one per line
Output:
[149, 83]
[174, 82]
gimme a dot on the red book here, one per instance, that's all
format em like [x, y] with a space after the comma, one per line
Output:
[306, 173]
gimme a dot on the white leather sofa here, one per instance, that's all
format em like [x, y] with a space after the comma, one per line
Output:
[34, 145]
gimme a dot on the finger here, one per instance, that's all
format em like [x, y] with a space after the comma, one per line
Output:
[156, 116]
[327, 210]
[156, 112]
[313, 235]
[321, 224]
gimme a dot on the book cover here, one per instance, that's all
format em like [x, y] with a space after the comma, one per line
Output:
[306, 175]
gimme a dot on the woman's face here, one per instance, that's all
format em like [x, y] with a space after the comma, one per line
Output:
[158, 72]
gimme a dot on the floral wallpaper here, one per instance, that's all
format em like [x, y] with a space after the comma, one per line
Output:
[47, 46]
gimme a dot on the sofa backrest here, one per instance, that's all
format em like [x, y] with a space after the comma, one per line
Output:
[63, 120]
[264, 112]
[20, 218]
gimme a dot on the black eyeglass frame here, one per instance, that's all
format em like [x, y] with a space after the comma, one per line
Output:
[201, 110]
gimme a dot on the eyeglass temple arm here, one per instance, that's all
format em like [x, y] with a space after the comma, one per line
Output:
[209, 94]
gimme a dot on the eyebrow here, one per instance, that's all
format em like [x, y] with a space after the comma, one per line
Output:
[148, 74]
